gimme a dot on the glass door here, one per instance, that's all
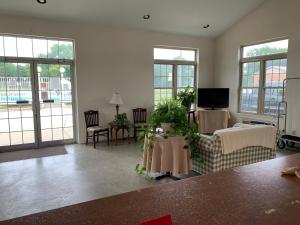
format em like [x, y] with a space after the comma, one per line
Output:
[55, 102]
[17, 124]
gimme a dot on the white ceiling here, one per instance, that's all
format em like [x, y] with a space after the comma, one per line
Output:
[174, 16]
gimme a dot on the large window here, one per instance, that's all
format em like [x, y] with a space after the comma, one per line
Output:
[263, 70]
[174, 69]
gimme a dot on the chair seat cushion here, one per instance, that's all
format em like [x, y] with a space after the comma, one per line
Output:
[96, 128]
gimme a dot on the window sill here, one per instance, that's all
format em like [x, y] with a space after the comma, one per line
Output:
[245, 115]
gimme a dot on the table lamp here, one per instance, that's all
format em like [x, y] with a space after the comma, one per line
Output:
[116, 99]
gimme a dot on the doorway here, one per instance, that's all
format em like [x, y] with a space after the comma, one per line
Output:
[36, 104]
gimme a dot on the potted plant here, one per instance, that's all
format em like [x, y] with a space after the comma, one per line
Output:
[187, 97]
[169, 115]
[121, 119]
[172, 113]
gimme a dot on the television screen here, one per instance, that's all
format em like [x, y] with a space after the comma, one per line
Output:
[213, 97]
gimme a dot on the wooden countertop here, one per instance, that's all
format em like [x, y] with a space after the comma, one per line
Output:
[255, 194]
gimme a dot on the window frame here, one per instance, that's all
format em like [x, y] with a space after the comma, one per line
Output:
[262, 76]
[175, 64]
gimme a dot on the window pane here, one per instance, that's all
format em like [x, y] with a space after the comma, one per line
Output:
[68, 121]
[57, 134]
[47, 135]
[27, 124]
[16, 138]
[269, 48]
[163, 75]
[161, 95]
[4, 139]
[3, 110]
[40, 48]
[251, 74]
[249, 100]
[68, 133]
[15, 125]
[4, 125]
[46, 122]
[28, 137]
[14, 111]
[57, 122]
[185, 76]
[67, 109]
[275, 72]
[174, 54]
[66, 50]
[1, 46]
[10, 46]
[272, 98]
[24, 47]
[53, 49]
[26, 111]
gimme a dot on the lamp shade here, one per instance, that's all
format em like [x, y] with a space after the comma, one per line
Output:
[116, 99]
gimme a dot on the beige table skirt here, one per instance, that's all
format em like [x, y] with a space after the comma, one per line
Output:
[167, 155]
[211, 120]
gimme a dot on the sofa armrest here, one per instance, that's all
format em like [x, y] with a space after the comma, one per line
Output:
[210, 143]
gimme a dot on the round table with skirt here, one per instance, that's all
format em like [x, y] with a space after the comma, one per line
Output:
[167, 155]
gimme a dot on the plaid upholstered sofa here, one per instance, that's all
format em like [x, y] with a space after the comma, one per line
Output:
[212, 159]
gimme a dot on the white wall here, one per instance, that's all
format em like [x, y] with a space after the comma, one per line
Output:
[274, 19]
[109, 60]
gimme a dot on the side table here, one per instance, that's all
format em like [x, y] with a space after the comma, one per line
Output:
[117, 127]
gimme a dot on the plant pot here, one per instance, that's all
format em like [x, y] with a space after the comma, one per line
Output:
[167, 127]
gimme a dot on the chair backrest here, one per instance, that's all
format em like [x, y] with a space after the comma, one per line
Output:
[91, 118]
[139, 115]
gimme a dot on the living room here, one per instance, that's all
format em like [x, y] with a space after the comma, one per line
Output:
[118, 55]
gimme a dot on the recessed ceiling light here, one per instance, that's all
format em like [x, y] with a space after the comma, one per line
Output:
[42, 1]
[146, 17]
[206, 26]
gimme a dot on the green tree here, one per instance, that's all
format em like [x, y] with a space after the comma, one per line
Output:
[59, 51]
[265, 50]
[14, 70]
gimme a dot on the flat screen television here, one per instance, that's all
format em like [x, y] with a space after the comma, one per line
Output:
[213, 98]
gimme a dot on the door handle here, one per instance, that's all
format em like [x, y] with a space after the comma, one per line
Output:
[22, 102]
[48, 101]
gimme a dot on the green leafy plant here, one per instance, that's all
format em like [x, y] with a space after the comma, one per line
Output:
[121, 119]
[141, 170]
[170, 111]
[187, 97]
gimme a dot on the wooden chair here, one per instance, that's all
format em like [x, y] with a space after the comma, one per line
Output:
[139, 121]
[93, 129]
